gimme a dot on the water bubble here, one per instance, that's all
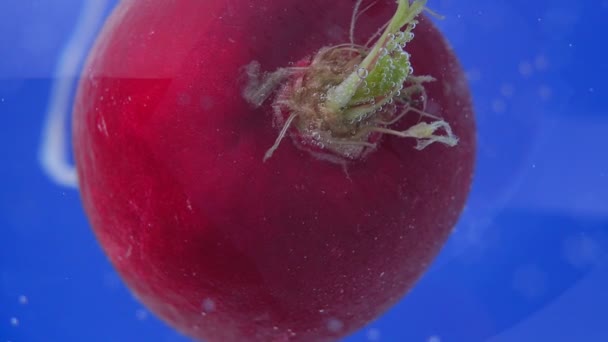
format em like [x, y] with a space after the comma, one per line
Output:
[383, 52]
[208, 305]
[334, 325]
[410, 70]
[141, 314]
[366, 91]
[400, 35]
[14, 321]
[373, 334]
[362, 73]
[398, 93]
[434, 338]
[391, 36]
[499, 106]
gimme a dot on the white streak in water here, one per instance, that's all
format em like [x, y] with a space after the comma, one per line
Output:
[54, 153]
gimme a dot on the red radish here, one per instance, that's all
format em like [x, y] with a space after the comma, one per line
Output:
[292, 205]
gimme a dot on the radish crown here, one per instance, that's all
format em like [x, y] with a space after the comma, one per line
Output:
[344, 98]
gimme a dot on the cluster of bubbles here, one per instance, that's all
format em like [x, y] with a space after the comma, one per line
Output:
[393, 64]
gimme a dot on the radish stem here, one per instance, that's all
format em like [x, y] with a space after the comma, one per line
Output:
[385, 57]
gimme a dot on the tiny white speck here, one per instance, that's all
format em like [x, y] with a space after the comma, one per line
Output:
[14, 321]
[545, 92]
[334, 325]
[373, 334]
[141, 314]
[23, 300]
[473, 75]
[507, 90]
[189, 205]
[525, 68]
[499, 106]
[208, 305]
[102, 127]
[434, 338]
[541, 62]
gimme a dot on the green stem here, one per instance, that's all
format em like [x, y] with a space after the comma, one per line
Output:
[340, 96]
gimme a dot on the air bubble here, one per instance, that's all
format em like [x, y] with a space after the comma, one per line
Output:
[400, 35]
[141, 314]
[208, 305]
[391, 36]
[410, 36]
[383, 52]
[334, 325]
[362, 73]
[14, 321]
[410, 70]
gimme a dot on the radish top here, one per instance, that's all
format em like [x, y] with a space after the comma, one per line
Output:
[345, 98]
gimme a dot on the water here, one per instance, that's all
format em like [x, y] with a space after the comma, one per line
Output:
[527, 261]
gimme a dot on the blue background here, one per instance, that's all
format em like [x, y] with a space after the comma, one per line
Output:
[527, 262]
